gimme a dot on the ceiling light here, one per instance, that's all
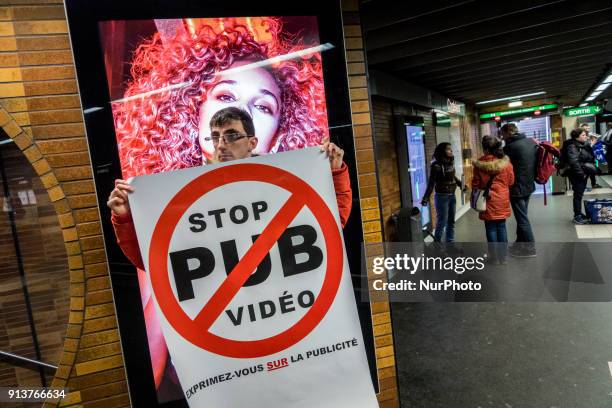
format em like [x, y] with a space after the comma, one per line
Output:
[91, 110]
[515, 104]
[257, 64]
[596, 93]
[608, 79]
[602, 87]
[509, 98]
[583, 104]
[590, 98]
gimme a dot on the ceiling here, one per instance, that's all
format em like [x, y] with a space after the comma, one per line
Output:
[480, 50]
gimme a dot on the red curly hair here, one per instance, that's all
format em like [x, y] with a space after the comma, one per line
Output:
[159, 132]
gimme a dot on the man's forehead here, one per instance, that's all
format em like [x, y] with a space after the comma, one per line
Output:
[231, 125]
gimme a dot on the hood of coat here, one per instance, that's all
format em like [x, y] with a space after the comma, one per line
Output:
[490, 164]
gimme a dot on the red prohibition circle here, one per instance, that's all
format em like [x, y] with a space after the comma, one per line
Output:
[160, 245]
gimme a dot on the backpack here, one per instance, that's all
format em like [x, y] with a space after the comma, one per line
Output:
[547, 162]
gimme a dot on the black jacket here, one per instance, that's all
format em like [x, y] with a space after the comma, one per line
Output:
[607, 138]
[442, 177]
[579, 157]
[522, 152]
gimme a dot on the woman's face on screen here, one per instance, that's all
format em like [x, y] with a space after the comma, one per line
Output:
[253, 90]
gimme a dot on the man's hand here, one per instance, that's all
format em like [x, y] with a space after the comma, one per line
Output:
[118, 199]
[333, 152]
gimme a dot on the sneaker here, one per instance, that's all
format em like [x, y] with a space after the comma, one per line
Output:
[581, 219]
[597, 186]
[522, 252]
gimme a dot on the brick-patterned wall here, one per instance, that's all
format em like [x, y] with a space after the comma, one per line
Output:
[369, 195]
[40, 110]
[386, 157]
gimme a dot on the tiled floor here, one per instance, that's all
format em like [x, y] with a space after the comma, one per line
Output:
[597, 191]
[607, 179]
[540, 355]
[595, 231]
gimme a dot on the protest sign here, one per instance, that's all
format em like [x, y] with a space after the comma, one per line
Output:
[250, 278]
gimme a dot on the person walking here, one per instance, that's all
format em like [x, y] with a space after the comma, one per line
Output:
[522, 154]
[497, 166]
[577, 156]
[442, 179]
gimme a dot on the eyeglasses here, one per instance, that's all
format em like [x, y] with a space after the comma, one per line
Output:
[228, 138]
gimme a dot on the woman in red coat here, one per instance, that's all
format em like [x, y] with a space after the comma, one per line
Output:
[495, 164]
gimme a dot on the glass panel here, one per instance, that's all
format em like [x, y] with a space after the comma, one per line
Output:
[34, 278]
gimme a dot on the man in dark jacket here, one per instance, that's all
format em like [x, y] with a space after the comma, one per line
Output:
[592, 137]
[577, 155]
[522, 152]
[607, 140]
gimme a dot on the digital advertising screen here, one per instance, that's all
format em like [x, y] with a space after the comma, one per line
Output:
[167, 77]
[418, 168]
[151, 76]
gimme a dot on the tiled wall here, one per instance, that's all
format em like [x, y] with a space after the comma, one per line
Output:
[39, 109]
[369, 194]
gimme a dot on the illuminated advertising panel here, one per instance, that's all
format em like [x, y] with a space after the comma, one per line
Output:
[151, 75]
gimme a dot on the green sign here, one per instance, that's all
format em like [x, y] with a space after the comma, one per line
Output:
[583, 111]
[519, 111]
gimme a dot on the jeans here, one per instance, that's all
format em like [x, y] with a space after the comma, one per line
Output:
[579, 184]
[497, 234]
[445, 212]
[520, 207]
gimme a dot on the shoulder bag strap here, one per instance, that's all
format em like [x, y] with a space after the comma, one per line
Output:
[490, 182]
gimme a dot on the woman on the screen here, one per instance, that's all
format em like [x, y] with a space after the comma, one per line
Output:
[179, 82]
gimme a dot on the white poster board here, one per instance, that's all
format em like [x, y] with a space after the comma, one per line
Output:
[284, 333]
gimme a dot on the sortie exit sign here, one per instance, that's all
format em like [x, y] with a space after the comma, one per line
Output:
[583, 111]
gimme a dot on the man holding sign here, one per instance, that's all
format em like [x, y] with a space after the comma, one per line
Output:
[233, 136]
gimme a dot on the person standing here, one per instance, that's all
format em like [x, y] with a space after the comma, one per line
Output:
[233, 135]
[442, 179]
[522, 153]
[495, 165]
[592, 137]
[577, 154]
[607, 141]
